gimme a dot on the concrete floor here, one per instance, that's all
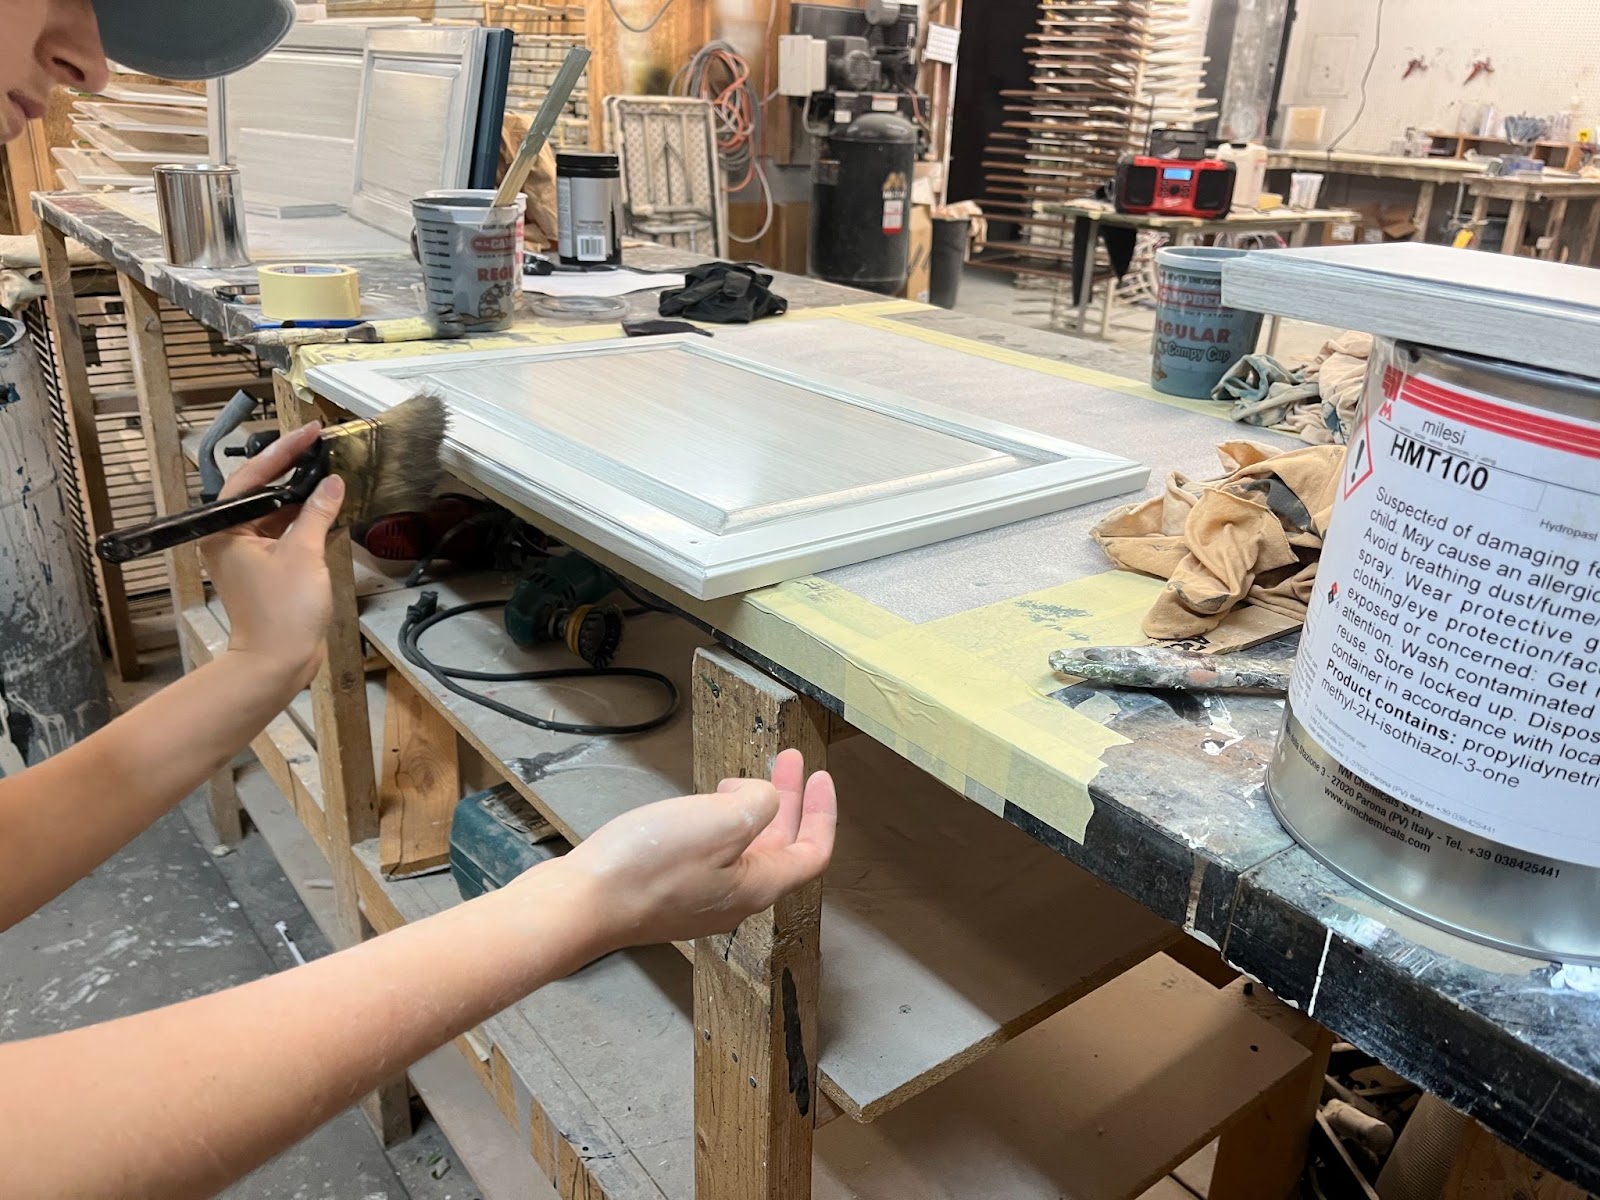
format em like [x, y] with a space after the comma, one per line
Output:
[167, 920]
[993, 295]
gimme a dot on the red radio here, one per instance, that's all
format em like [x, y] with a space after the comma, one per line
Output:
[1176, 186]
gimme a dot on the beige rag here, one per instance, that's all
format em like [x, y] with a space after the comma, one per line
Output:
[1254, 535]
[1340, 370]
[541, 221]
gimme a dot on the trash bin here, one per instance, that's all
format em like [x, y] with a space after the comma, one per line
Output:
[1197, 337]
[950, 236]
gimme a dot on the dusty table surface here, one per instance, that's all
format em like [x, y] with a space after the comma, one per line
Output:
[1171, 807]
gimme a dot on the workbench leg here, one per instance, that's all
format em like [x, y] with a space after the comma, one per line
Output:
[755, 990]
[1480, 213]
[61, 303]
[1552, 229]
[1274, 327]
[1591, 234]
[1516, 226]
[1105, 307]
[1263, 1156]
[1422, 217]
[421, 781]
[344, 758]
[169, 478]
[1085, 282]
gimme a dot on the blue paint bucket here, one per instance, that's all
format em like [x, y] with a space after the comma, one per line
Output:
[1197, 337]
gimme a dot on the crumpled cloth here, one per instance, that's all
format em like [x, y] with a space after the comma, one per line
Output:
[1254, 535]
[724, 294]
[22, 274]
[1316, 403]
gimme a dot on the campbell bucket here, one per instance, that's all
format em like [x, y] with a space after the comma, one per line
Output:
[471, 255]
[1197, 337]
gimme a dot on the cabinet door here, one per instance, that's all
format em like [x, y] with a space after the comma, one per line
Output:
[718, 472]
[417, 122]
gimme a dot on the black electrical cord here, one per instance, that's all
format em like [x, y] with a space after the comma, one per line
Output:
[426, 613]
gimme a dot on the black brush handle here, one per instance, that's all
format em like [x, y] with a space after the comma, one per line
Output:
[125, 545]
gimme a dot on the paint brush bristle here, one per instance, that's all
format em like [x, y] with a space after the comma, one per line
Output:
[390, 463]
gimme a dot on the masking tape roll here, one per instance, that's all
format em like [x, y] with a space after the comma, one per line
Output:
[309, 292]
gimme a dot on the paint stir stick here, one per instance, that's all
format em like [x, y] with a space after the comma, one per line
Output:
[539, 132]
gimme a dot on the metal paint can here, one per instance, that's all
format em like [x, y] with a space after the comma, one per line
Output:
[52, 690]
[589, 205]
[1441, 744]
[202, 216]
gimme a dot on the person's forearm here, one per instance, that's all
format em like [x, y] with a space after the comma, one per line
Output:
[62, 818]
[186, 1099]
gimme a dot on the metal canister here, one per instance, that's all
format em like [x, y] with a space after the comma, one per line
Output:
[202, 215]
[861, 204]
[1441, 745]
[589, 203]
[52, 690]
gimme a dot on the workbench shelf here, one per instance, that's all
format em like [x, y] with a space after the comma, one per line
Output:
[931, 959]
[1558, 156]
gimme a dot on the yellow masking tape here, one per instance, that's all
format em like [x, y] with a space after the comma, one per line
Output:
[309, 292]
[522, 334]
[962, 703]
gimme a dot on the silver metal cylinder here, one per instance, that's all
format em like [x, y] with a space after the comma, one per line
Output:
[202, 215]
[52, 690]
[1455, 622]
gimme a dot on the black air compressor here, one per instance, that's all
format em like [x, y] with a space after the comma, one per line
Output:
[861, 203]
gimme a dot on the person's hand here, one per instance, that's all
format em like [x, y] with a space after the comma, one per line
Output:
[699, 865]
[272, 574]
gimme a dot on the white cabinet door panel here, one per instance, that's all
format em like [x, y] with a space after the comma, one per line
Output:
[719, 472]
[419, 114]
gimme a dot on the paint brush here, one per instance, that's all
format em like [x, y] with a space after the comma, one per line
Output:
[1181, 670]
[389, 464]
[393, 329]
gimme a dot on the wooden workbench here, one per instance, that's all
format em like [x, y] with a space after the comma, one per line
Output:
[1173, 816]
[1472, 176]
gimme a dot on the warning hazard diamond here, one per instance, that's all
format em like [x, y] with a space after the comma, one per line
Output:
[1358, 458]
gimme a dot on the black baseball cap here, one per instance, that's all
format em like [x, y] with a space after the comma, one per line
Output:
[191, 39]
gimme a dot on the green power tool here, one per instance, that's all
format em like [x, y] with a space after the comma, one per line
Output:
[559, 601]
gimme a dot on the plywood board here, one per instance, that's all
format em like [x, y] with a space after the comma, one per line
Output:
[417, 121]
[612, 440]
[125, 146]
[1092, 1104]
